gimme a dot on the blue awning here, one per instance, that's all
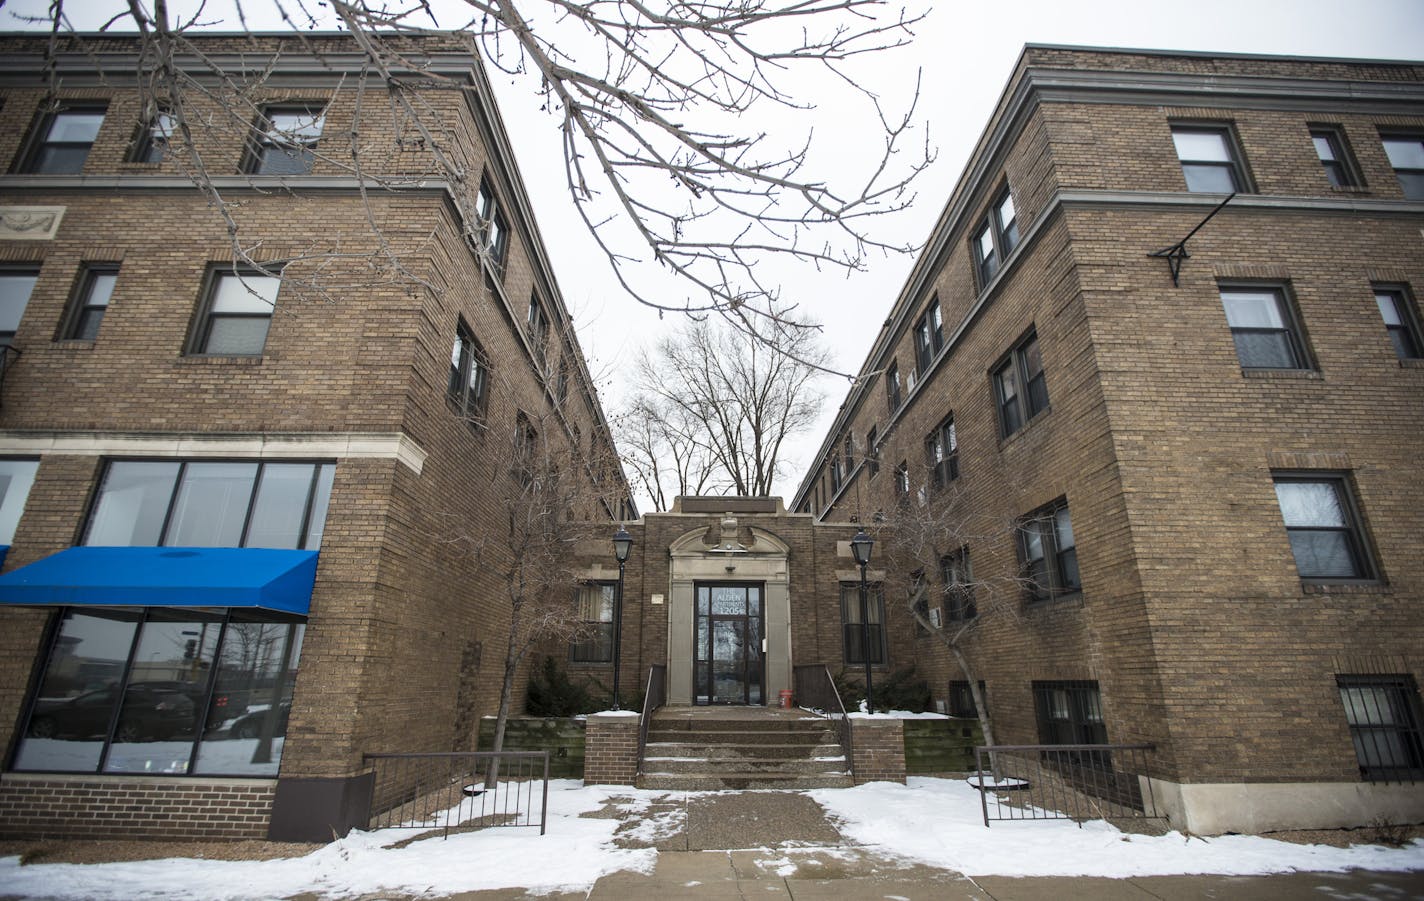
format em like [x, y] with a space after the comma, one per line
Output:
[269, 578]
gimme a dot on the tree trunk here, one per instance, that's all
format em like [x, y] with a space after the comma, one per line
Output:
[506, 692]
[986, 723]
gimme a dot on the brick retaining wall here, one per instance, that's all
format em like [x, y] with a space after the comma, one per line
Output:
[611, 750]
[878, 747]
[55, 806]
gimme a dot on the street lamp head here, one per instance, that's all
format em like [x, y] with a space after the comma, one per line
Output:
[860, 548]
[622, 544]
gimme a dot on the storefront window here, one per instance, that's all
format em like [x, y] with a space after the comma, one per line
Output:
[125, 691]
[16, 477]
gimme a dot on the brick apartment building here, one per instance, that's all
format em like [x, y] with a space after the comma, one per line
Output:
[226, 477]
[1211, 479]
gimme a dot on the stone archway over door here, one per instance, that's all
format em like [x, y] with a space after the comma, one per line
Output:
[760, 563]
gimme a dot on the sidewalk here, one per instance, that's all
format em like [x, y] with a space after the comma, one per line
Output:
[746, 845]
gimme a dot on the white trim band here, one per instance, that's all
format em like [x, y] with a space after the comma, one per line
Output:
[341, 445]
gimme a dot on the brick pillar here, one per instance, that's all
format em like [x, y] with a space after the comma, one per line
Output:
[611, 749]
[878, 747]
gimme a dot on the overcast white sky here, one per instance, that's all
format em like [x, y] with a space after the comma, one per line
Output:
[965, 51]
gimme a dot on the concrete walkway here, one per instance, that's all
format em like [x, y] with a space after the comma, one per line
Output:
[747, 845]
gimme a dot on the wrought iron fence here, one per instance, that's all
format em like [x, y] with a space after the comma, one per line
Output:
[1065, 782]
[453, 792]
[653, 698]
[814, 689]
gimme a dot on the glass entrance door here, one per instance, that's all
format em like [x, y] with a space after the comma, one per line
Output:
[728, 665]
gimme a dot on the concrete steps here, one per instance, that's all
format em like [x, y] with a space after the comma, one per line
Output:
[708, 749]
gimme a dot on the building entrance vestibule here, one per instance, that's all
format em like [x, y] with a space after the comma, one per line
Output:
[729, 659]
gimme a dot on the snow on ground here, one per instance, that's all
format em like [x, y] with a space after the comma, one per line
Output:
[932, 821]
[938, 822]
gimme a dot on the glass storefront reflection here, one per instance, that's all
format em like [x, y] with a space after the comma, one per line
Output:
[251, 699]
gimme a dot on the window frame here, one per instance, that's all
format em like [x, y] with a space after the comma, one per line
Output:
[1340, 169]
[597, 649]
[902, 481]
[1404, 703]
[1405, 337]
[203, 322]
[470, 401]
[1234, 165]
[1292, 327]
[1356, 536]
[7, 337]
[872, 450]
[1085, 722]
[850, 619]
[959, 694]
[537, 322]
[81, 304]
[44, 125]
[493, 227]
[267, 139]
[957, 572]
[150, 143]
[1002, 237]
[942, 453]
[929, 335]
[1044, 523]
[1416, 173]
[894, 399]
[1016, 412]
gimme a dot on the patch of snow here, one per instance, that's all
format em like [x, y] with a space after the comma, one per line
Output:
[938, 822]
[782, 866]
[894, 715]
[616, 713]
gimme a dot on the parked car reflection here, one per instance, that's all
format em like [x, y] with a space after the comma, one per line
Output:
[150, 713]
[250, 725]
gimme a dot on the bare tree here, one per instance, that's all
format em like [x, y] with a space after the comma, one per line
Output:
[651, 103]
[666, 451]
[926, 543]
[734, 398]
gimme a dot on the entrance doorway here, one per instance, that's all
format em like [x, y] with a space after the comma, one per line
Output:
[728, 665]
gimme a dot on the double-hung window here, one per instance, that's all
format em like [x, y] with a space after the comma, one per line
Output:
[996, 237]
[892, 387]
[91, 302]
[1384, 717]
[1049, 553]
[469, 376]
[286, 139]
[872, 450]
[236, 313]
[1329, 144]
[1264, 328]
[1400, 322]
[958, 577]
[929, 336]
[494, 233]
[837, 476]
[16, 479]
[154, 138]
[902, 481]
[854, 636]
[1020, 388]
[1406, 155]
[593, 642]
[1324, 532]
[1071, 713]
[62, 141]
[15, 288]
[942, 453]
[1209, 159]
[961, 699]
[538, 323]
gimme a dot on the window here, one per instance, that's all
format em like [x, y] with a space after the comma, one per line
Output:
[137, 703]
[1263, 328]
[1208, 158]
[1069, 713]
[1020, 386]
[892, 387]
[526, 450]
[154, 137]
[15, 288]
[902, 481]
[561, 384]
[96, 286]
[286, 140]
[1383, 713]
[538, 323]
[848, 450]
[961, 699]
[929, 336]
[995, 237]
[853, 636]
[1399, 322]
[1329, 144]
[1324, 532]
[1406, 155]
[958, 578]
[237, 313]
[837, 477]
[594, 643]
[872, 450]
[1049, 553]
[942, 454]
[203, 504]
[494, 234]
[469, 376]
[16, 479]
[62, 141]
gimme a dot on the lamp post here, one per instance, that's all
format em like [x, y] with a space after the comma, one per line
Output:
[860, 549]
[622, 544]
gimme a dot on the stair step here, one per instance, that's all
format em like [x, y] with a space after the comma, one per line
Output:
[741, 736]
[739, 751]
[744, 767]
[739, 781]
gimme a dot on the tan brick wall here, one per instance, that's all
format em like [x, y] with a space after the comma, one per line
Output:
[97, 807]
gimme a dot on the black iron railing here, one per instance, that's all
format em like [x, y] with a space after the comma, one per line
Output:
[452, 792]
[655, 697]
[1065, 782]
[814, 689]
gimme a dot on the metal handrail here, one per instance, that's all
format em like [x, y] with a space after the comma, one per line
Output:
[655, 697]
[448, 790]
[814, 689]
[1066, 782]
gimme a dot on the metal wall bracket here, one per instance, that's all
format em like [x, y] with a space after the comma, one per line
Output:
[1177, 254]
